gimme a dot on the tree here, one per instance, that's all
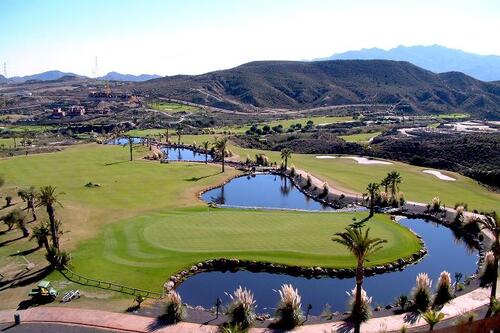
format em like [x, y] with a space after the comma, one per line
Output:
[385, 183]
[29, 195]
[16, 217]
[394, 181]
[41, 233]
[220, 146]
[286, 153]
[491, 222]
[361, 246]
[372, 191]
[206, 145]
[432, 317]
[130, 143]
[47, 197]
[179, 133]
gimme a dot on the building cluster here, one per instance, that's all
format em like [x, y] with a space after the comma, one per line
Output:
[73, 111]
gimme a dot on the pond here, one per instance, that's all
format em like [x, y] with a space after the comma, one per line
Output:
[184, 154]
[124, 141]
[263, 191]
[445, 253]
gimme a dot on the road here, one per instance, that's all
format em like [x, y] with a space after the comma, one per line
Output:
[52, 328]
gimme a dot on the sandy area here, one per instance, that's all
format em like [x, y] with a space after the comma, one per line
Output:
[439, 175]
[364, 160]
[325, 157]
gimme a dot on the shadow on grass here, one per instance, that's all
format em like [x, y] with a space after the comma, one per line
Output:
[113, 163]
[24, 253]
[195, 179]
[24, 279]
[7, 242]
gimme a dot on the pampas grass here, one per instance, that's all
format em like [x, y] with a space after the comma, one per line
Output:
[365, 311]
[488, 274]
[289, 310]
[421, 294]
[443, 289]
[174, 309]
[241, 310]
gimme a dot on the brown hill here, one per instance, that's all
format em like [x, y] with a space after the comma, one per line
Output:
[303, 85]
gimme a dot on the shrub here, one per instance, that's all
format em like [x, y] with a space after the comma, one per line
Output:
[241, 310]
[365, 311]
[58, 259]
[443, 290]
[432, 317]
[8, 200]
[421, 294]
[488, 274]
[403, 302]
[174, 309]
[465, 318]
[402, 199]
[459, 217]
[139, 299]
[326, 189]
[289, 310]
[308, 181]
[435, 204]
[292, 171]
[327, 312]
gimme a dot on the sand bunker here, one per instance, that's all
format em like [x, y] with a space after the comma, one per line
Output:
[364, 160]
[439, 175]
[325, 157]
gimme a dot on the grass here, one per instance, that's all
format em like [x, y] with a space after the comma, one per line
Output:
[349, 176]
[361, 137]
[170, 107]
[26, 128]
[453, 116]
[7, 142]
[145, 221]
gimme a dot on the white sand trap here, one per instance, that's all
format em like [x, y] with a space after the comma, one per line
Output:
[325, 157]
[439, 175]
[364, 160]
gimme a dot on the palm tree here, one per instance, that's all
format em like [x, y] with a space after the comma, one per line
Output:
[47, 197]
[385, 183]
[179, 133]
[130, 143]
[432, 317]
[41, 233]
[206, 145]
[373, 191]
[361, 246]
[394, 181]
[29, 196]
[166, 136]
[491, 222]
[220, 146]
[286, 153]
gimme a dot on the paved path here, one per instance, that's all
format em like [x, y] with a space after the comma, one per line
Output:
[133, 323]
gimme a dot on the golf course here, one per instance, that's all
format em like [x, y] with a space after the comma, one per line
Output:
[143, 220]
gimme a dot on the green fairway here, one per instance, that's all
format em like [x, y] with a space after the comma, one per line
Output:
[349, 176]
[170, 107]
[146, 222]
[361, 137]
[148, 248]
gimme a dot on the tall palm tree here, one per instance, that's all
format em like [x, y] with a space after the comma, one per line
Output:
[373, 191]
[29, 196]
[178, 133]
[385, 183]
[491, 222]
[41, 233]
[361, 246]
[47, 197]
[130, 143]
[286, 153]
[394, 180]
[220, 146]
[206, 145]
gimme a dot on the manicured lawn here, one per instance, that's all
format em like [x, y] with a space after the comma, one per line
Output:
[6, 143]
[148, 248]
[169, 107]
[348, 175]
[145, 221]
[26, 128]
[361, 137]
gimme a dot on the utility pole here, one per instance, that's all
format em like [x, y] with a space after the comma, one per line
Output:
[5, 69]
[95, 71]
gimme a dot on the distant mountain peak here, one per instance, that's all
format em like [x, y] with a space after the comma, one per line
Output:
[115, 76]
[436, 58]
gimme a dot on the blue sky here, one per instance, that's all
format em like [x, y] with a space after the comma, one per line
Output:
[196, 36]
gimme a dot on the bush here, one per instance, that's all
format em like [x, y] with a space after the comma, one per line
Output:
[488, 275]
[443, 290]
[58, 259]
[421, 294]
[435, 204]
[241, 310]
[8, 200]
[365, 311]
[402, 301]
[174, 309]
[326, 189]
[292, 171]
[289, 310]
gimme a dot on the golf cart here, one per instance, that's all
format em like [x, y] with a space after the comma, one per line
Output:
[44, 291]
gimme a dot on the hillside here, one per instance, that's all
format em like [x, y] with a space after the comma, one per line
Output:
[435, 58]
[115, 76]
[303, 85]
[45, 76]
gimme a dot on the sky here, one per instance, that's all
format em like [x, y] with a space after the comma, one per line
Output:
[197, 36]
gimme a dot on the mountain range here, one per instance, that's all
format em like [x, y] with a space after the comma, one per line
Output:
[56, 75]
[302, 85]
[436, 58]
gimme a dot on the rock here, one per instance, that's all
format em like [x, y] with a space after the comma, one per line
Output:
[169, 285]
[388, 307]
[194, 269]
